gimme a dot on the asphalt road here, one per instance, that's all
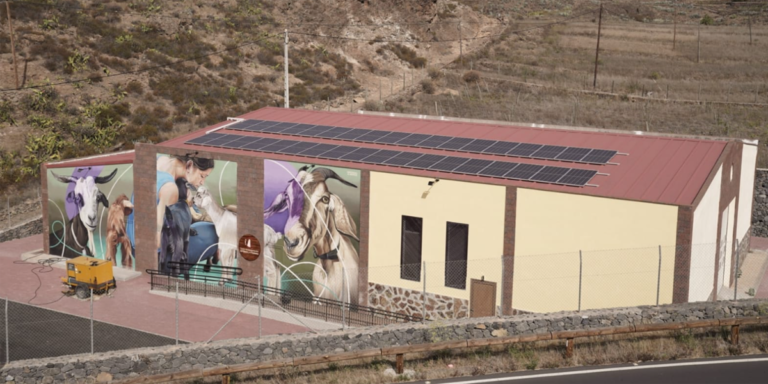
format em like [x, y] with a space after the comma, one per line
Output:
[36, 332]
[742, 370]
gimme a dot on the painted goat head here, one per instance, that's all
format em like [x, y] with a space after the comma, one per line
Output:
[87, 196]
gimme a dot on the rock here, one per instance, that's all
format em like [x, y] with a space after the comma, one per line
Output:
[47, 380]
[390, 373]
[103, 377]
[9, 378]
[480, 326]
[499, 333]
[267, 351]
[66, 368]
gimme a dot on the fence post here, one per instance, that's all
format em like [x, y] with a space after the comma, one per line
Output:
[7, 339]
[8, 210]
[91, 321]
[658, 279]
[580, 269]
[343, 281]
[424, 293]
[258, 278]
[177, 313]
[736, 273]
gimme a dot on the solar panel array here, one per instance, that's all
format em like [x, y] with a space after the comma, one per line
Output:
[454, 164]
[419, 140]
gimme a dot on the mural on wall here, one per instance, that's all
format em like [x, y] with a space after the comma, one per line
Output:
[311, 216]
[87, 212]
[197, 218]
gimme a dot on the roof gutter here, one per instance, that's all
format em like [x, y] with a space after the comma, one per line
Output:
[233, 121]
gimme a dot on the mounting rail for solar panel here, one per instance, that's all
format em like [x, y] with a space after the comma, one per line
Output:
[574, 177]
[419, 140]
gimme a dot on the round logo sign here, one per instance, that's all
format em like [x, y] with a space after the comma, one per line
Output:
[249, 247]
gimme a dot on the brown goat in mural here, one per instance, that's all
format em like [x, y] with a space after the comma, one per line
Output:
[116, 234]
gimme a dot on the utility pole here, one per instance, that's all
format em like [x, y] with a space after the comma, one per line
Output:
[287, 93]
[749, 22]
[674, 34]
[597, 50]
[698, 44]
[13, 44]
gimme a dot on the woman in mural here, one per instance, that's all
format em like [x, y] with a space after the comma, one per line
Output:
[174, 175]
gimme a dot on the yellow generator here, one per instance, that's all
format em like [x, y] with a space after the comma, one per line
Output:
[87, 273]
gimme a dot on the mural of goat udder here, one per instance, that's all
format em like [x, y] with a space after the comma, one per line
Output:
[88, 210]
[198, 234]
[311, 220]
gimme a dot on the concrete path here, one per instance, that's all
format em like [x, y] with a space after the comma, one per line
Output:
[132, 305]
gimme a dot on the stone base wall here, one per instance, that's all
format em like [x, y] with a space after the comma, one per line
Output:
[760, 204]
[32, 227]
[411, 303]
[105, 366]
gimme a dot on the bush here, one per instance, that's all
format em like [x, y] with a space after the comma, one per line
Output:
[371, 105]
[428, 86]
[408, 55]
[707, 20]
[471, 77]
[135, 88]
[434, 73]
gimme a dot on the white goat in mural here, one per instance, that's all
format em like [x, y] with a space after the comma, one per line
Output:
[226, 229]
[78, 232]
[326, 226]
[271, 270]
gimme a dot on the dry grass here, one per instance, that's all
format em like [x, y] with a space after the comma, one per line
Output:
[537, 77]
[676, 345]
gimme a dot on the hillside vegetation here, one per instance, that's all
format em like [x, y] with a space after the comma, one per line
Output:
[101, 75]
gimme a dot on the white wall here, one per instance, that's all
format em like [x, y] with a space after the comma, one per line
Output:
[747, 187]
[704, 251]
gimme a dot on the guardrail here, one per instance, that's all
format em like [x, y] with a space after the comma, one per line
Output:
[400, 351]
[306, 305]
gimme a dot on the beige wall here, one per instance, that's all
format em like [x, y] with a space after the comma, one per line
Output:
[704, 242]
[478, 205]
[620, 241]
[746, 188]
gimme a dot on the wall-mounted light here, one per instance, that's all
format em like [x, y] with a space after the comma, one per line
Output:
[431, 183]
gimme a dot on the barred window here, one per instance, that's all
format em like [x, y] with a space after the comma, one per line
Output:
[410, 248]
[456, 246]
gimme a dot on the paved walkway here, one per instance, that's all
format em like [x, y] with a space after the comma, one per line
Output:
[132, 304]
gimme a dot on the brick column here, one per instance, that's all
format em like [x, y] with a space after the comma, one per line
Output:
[145, 206]
[44, 207]
[683, 245]
[250, 208]
[508, 258]
[365, 199]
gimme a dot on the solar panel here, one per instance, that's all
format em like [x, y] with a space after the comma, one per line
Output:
[317, 149]
[549, 174]
[425, 161]
[337, 152]
[473, 166]
[278, 128]
[477, 146]
[509, 170]
[372, 136]
[548, 152]
[498, 169]
[316, 130]
[524, 150]
[573, 154]
[244, 141]
[413, 139]
[501, 147]
[402, 158]
[333, 132]
[434, 141]
[598, 156]
[524, 171]
[577, 177]
[296, 146]
[380, 156]
[449, 163]
[297, 129]
[359, 154]
[456, 143]
[353, 134]
[392, 138]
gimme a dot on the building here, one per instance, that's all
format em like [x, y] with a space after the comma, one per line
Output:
[482, 216]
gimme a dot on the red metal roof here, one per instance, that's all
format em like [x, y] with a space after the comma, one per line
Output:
[108, 159]
[667, 170]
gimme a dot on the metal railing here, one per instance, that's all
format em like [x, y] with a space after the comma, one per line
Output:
[304, 304]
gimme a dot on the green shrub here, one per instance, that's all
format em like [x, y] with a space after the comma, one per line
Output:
[707, 20]
[428, 86]
[471, 77]
[407, 54]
